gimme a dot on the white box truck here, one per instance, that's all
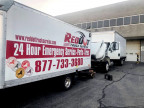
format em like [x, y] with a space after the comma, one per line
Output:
[107, 48]
[36, 46]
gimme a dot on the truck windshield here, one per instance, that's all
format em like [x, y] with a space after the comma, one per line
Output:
[107, 44]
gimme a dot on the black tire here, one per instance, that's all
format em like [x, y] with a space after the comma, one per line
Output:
[66, 82]
[121, 62]
[106, 67]
[92, 75]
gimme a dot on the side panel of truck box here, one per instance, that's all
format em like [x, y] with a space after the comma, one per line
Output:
[40, 46]
[105, 36]
[122, 40]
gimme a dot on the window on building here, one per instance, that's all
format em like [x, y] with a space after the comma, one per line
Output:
[78, 25]
[106, 23]
[94, 24]
[126, 20]
[88, 25]
[100, 24]
[84, 26]
[119, 21]
[141, 18]
[113, 22]
[135, 19]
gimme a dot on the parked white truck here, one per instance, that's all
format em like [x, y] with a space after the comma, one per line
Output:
[107, 48]
[36, 46]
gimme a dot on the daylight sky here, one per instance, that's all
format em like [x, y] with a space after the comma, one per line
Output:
[58, 7]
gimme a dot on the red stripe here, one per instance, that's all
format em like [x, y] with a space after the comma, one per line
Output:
[11, 49]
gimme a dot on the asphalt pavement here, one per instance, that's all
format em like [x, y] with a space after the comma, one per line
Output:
[126, 90]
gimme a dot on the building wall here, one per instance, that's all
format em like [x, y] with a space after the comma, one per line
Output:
[129, 32]
[127, 8]
[129, 17]
[114, 11]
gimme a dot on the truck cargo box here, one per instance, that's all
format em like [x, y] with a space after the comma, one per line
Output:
[36, 46]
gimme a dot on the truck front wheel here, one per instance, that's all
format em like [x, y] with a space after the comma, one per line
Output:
[121, 62]
[106, 67]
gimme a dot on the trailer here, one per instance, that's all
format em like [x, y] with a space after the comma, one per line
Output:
[36, 46]
[107, 48]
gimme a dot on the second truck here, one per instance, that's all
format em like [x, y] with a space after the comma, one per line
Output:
[107, 48]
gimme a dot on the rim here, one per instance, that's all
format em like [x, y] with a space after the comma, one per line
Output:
[107, 67]
[67, 82]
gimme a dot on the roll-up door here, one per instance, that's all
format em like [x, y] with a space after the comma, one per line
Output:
[142, 50]
[133, 50]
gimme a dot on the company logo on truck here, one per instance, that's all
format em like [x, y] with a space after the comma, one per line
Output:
[75, 41]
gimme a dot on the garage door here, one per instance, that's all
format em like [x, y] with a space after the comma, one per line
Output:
[133, 48]
[142, 50]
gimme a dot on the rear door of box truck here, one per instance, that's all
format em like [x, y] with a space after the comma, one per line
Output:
[2, 47]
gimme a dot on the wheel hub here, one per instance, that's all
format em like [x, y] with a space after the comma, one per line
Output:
[67, 82]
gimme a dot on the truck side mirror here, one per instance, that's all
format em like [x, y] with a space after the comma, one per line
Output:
[115, 46]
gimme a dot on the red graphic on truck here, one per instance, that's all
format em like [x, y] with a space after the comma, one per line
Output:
[11, 62]
[19, 68]
[25, 64]
[29, 71]
[23, 50]
[74, 41]
[65, 56]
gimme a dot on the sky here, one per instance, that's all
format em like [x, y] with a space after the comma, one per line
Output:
[59, 7]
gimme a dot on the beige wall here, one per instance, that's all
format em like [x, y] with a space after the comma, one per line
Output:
[135, 31]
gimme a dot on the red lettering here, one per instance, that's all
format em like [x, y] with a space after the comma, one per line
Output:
[58, 62]
[62, 63]
[76, 40]
[76, 62]
[44, 66]
[66, 63]
[50, 65]
[67, 37]
[72, 62]
[38, 66]
[73, 39]
[41, 53]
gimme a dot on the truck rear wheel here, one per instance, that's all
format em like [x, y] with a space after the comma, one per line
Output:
[92, 75]
[67, 82]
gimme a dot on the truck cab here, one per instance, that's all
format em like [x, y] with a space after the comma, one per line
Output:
[116, 54]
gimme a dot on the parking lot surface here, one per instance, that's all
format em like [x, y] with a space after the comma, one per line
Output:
[125, 91]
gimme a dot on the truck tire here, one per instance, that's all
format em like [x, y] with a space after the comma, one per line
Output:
[92, 75]
[66, 82]
[121, 62]
[106, 67]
